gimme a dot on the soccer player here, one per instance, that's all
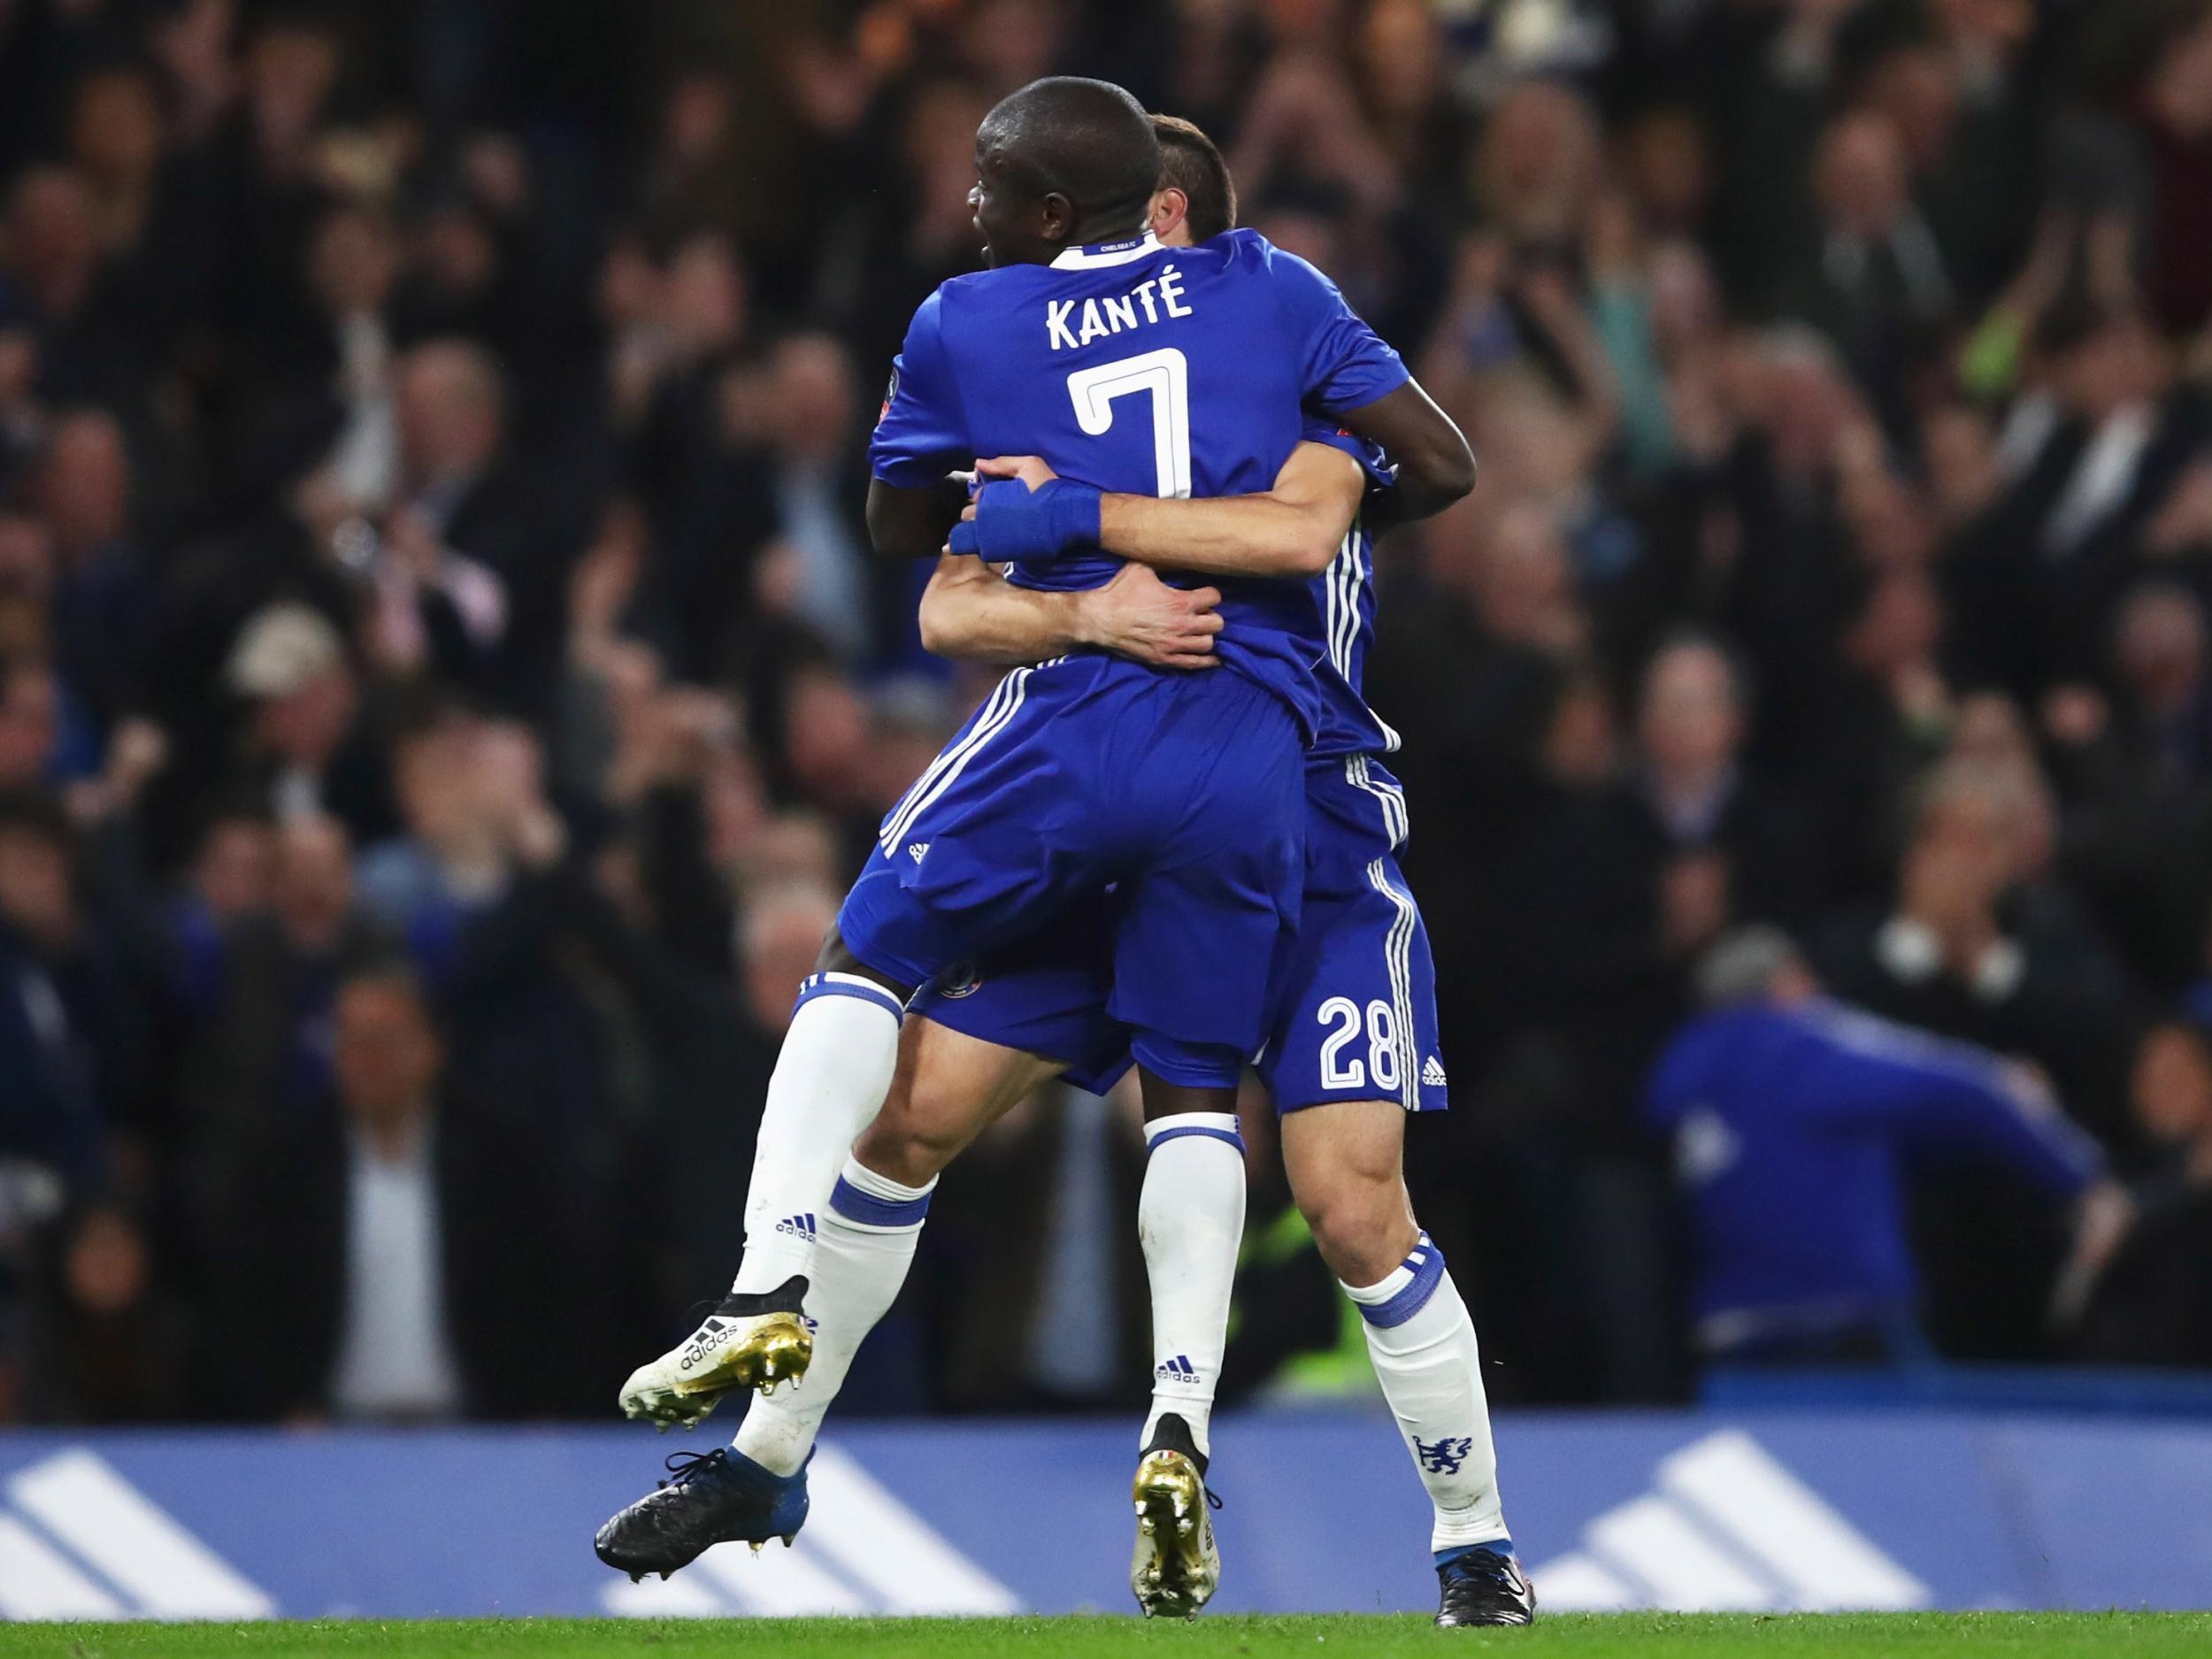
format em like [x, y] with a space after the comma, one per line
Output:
[1352, 1043]
[975, 1045]
[1180, 791]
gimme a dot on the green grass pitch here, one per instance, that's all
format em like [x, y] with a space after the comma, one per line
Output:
[1643, 1635]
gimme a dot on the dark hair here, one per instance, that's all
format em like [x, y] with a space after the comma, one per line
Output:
[232, 806]
[2076, 319]
[1192, 163]
[384, 968]
[37, 812]
[1089, 141]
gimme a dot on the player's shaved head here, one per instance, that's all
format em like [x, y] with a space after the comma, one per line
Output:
[1192, 163]
[1064, 160]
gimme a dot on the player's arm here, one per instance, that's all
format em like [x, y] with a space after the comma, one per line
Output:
[912, 524]
[1293, 529]
[1349, 374]
[1435, 466]
[971, 613]
[916, 487]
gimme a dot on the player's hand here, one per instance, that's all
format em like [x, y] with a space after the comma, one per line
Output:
[2102, 1221]
[1014, 523]
[1030, 469]
[1141, 617]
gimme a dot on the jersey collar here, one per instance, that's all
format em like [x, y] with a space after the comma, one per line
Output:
[1099, 255]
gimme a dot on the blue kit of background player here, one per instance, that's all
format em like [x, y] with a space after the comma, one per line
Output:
[1352, 1004]
[1141, 370]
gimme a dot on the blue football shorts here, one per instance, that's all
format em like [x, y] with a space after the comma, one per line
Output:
[1180, 792]
[1351, 997]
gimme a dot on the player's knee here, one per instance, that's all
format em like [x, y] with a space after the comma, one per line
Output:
[1360, 1223]
[918, 1131]
[903, 1151]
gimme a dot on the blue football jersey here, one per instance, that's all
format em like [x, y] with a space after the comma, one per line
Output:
[1340, 618]
[1150, 370]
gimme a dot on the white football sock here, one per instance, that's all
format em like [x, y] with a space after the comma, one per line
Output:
[831, 1079]
[864, 1245]
[1190, 1216]
[1422, 1341]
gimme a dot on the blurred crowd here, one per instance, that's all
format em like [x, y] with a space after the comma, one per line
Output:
[444, 689]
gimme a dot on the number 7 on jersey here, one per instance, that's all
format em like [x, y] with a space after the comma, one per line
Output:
[1165, 374]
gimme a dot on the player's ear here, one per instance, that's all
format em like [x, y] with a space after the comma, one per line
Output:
[1170, 207]
[1055, 218]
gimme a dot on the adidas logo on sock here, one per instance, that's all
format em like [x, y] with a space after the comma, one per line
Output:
[1177, 1370]
[798, 1226]
[1433, 1073]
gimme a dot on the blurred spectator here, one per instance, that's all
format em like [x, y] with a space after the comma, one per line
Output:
[2133, 772]
[387, 1258]
[55, 279]
[1729, 851]
[354, 263]
[2151, 1304]
[463, 554]
[233, 876]
[1793, 1119]
[2091, 452]
[1947, 958]
[31, 724]
[818, 499]
[49, 1037]
[306, 744]
[2163, 659]
[259, 990]
[103, 594]
[1874, 282]
[453, 859]
[2169, 118]
[113, 1345]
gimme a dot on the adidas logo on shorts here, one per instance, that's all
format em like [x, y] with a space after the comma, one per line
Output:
[918, 851]
[1433, 1073]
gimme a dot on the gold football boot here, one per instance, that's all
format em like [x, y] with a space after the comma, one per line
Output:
[747, 1342]
[1176, 1567]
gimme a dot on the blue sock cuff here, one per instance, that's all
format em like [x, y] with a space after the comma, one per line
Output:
[870, 1211]
[1496, 1547]
[1426, 1264]
[848, 985]
[1165, 1135]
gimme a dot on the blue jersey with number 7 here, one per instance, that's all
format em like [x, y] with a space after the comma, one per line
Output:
[1146, 371]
